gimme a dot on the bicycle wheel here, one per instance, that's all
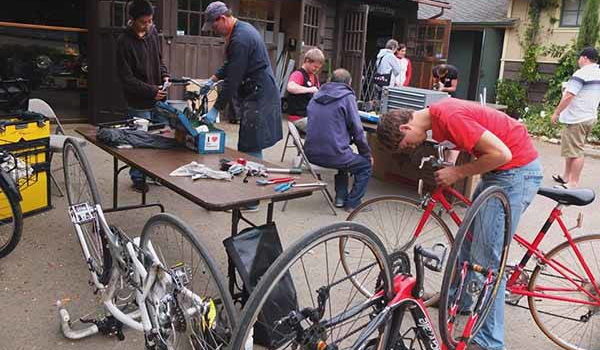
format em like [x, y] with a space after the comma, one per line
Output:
[11, 218]
[194, 272]
[395, 220]
[570, 324]
[81, 188]
[305, 300]
[475, 268]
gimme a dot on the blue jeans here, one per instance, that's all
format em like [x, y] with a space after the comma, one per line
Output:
[521, 185]
[360, 168]
[154, 117]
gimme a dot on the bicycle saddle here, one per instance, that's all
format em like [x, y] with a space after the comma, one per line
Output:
[579, 196]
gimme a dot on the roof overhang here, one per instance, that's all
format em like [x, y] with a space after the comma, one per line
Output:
[436, 3]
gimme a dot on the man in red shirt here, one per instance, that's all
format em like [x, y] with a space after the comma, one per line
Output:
[505, 156]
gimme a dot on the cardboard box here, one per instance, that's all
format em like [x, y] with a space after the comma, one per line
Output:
[403, 166]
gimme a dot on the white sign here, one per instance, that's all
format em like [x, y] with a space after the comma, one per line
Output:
[212, 141]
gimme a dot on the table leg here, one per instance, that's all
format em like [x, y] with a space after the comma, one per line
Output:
[115, 207]
[270, 213]
[115, 182]
[235, 220]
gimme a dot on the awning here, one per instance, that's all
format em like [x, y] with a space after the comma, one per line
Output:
[436, 3]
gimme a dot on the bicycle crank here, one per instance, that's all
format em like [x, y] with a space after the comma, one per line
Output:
[523, 280]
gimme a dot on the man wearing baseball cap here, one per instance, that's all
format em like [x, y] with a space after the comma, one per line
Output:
[247, 80]
[578, 110]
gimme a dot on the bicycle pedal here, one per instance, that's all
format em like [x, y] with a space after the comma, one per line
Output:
[82, 213]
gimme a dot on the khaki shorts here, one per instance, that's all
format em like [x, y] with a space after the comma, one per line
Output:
[573, 138]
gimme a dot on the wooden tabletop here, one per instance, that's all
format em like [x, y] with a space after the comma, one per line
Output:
[210, 194]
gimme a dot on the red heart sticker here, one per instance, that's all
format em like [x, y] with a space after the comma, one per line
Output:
[214, 138]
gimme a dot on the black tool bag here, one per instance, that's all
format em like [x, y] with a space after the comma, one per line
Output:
[379, 79]
[253, 251]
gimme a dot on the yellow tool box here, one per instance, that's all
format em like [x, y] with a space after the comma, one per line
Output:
[27, 137]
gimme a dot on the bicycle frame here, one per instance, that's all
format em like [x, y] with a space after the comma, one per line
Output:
[532, 250]
[440, 196]
[404, 299]
[151, 283]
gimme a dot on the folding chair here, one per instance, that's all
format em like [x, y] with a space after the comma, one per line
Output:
[295, 135]
[58, 138]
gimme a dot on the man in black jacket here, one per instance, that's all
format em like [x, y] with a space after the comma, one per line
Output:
[141, 71]
[248, 81]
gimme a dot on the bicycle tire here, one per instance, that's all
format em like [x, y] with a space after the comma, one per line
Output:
[223, 302]
[386, 228]
[307, 244]
[76, 169]
[487, 195]
[566, 322]
[11, 214]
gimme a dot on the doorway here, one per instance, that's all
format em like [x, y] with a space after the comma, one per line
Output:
[379, 31]
[465, 55]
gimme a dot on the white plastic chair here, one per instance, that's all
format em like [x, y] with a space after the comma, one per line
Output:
[313, 169]
[57, 138]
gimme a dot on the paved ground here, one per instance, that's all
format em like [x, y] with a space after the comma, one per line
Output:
[47, 264]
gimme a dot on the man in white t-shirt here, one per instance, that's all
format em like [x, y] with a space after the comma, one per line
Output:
[578, 110]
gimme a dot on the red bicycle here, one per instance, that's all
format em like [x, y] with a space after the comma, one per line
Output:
[563, 285]
[307, 300]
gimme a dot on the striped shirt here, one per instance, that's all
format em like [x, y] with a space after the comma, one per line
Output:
[585, 85]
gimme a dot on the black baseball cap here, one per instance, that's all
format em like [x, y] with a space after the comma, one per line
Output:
[213, 11]
[590, 53]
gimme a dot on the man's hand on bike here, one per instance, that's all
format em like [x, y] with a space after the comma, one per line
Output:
[160, 94]
[447, 176]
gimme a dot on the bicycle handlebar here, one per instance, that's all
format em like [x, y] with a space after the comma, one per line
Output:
[439, 160]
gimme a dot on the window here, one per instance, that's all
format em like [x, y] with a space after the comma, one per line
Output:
[427, 41]
[354, 29]
[571, 13]
[261, 14]
[189, 17]
[311, 25]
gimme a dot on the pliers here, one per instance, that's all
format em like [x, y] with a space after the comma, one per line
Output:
[288, 185]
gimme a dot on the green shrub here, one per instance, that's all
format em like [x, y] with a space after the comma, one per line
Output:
[537, 120]
[512, 94]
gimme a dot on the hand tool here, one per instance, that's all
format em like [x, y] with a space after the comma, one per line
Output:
[276, 180]
[284, 171]
[288, 185]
